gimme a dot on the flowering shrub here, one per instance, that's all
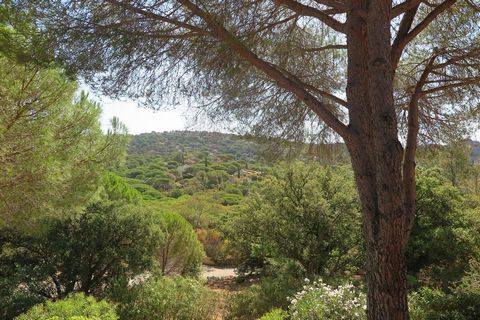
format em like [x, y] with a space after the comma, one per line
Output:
[318, 301]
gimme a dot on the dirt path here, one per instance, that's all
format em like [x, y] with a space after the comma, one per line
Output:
[214, 272]
[220, 281]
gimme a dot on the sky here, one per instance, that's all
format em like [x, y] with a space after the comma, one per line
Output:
[139, 120]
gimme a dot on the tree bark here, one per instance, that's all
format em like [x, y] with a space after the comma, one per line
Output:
[377, 156]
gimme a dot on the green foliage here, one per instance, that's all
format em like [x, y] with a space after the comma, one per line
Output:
[147, 191]
[303, 220]
[453, 159]
[166, 298]
[434, 304]
[51, 147]
[230, 199]
[75, 307]
[116, 188]
[282, 280]
[83, 253]
[442, 221]
[19, 37]
[202, 209]
[275, 314]
[155, 160]
[303, 213]
[215, 246]
[177, 249]
[321, 301]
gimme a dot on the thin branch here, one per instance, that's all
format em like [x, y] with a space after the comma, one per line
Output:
[403, 39]
[453, 60]
[451, 86]
[313, 12]
[125, 5]
[274, 24]
[327, 47]
[270, 70]
[322, 93]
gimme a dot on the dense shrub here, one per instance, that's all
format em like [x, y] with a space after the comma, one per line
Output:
[216, 248]
[230, 199]
[461, 303]
[77, 254]
[275, 314]
[280, 281]
[75, 307]
[321, 301]
[441, 222]
[116, 188]
[434, 304]
[166, 298]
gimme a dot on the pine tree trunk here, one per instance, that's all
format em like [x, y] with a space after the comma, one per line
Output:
[377, 158]
[383, 224]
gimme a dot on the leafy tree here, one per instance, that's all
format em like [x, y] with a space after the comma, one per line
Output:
[442, 222]
[82, 253]
[178, 251]
[371, 71]
[304, 213]
[22, 43]
[75, 307]
[283, 280]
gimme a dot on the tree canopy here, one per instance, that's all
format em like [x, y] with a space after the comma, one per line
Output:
[377, 73]
[52, 149]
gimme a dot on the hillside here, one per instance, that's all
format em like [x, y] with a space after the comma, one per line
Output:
[171, 144]
[171, 164]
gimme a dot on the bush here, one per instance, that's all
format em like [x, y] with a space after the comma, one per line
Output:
[230, 199]
[463, 303]
[116, 188]
[83, 253]
[213, 243]
[271, 292]
[166, 298]
[275, 314]
[75, 307]
[320, 301]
